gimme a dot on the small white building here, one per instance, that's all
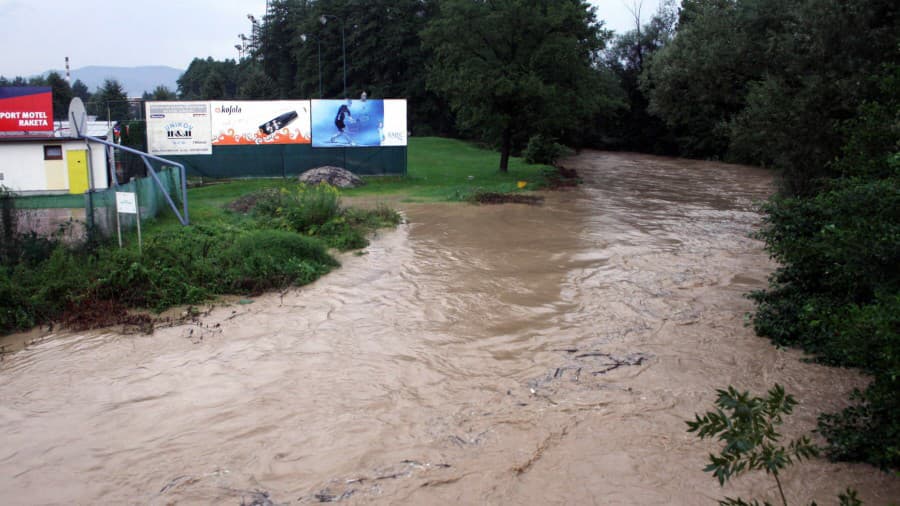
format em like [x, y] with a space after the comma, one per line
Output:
[54, 165]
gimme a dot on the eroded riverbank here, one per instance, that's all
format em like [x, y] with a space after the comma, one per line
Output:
[477, 355]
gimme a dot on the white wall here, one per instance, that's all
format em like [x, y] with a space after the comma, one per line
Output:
[25, 171]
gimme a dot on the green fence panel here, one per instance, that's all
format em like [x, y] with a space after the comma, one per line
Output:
[289, 160]
[100, 205]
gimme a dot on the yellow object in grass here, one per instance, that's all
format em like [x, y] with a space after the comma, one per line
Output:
[522, 184]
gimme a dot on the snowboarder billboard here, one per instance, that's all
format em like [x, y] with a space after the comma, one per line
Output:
[358, 123]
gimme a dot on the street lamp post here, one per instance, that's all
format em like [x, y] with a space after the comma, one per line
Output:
[244, 46]
[324, 19]
[303, 37]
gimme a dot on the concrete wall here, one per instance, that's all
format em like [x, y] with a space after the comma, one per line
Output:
[26, 172]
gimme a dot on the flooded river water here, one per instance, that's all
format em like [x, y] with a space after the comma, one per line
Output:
[496, 355]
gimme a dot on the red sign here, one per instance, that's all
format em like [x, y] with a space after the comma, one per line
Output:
[26, 109]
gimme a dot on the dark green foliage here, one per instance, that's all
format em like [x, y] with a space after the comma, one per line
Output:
[818, 240]
[62, 95]
[110, 102]
[208, 79]
[161, 93]
[542, 149]
[837, 295]
[869, 430]
[770, 83]
[499, 65]
[80, 90]
[632, 126]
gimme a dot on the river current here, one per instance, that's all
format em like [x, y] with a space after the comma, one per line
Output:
[493, 354]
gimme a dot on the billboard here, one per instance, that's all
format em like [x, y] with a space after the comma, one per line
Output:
[26, 109]
[241, 123]
[179, 128]
[352, 123]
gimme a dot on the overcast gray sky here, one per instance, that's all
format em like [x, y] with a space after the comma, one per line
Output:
[37, 35]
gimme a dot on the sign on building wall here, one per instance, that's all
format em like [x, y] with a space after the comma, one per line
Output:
[241, 123]
[26, 109]
[351, 123]
[179, 128]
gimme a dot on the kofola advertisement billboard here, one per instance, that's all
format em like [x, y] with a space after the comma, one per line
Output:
[178, 128]
[363, 123]
[26, 109]
[250, 123]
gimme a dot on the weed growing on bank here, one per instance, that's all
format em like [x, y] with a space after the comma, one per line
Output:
[316, 211]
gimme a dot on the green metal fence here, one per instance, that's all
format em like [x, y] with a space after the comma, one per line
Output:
[95, 211]
[293, 159]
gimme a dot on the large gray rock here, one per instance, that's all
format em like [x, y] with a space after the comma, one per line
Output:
[335, 176]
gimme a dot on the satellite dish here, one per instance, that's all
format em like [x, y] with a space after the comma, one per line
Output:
[77, 117]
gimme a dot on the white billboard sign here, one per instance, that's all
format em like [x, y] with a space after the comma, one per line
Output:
[242, 123]
[179, 128]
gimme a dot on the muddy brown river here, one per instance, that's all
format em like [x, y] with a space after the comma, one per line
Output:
[496, 355]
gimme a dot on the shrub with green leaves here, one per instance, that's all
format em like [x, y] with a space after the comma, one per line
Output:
[542, 149]
[836, 296]
[748, 428]
[300, 209]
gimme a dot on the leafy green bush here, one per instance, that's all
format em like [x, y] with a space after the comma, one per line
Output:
[301, 209]
[869, 338]
[186, 266]
[837, 295]
[542, 149]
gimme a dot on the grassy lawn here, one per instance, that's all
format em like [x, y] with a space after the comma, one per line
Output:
[448, 169]
[439, 170]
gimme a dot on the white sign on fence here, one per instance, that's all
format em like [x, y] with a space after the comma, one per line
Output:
[179, 128]
[125, 203]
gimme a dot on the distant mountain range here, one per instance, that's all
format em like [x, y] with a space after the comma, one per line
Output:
[135, 80]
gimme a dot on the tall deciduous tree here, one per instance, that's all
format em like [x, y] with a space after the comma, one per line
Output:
[511, 68]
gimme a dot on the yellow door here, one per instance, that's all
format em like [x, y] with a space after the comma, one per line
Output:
[76, 161]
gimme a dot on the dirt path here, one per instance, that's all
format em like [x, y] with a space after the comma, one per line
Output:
[498, 355]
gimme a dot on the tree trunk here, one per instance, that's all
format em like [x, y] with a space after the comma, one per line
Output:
[505, 147]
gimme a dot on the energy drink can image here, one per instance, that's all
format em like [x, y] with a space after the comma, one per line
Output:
[277, 123]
